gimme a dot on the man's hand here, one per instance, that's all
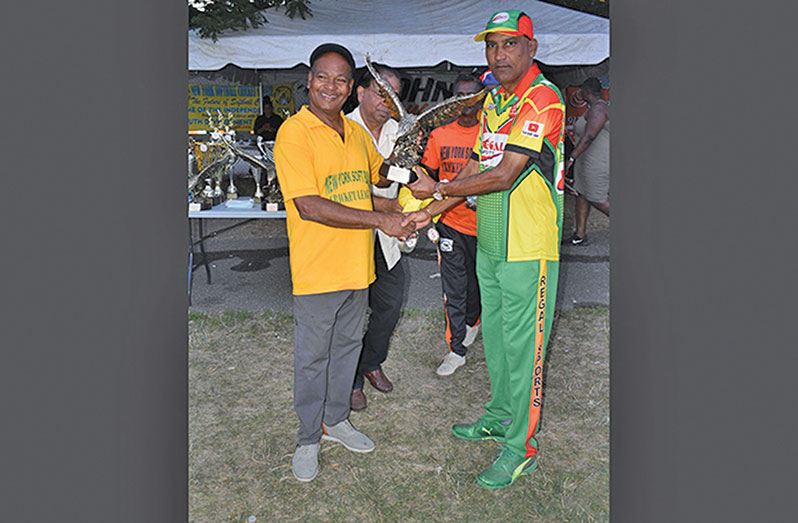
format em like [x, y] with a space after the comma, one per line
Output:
[419, 218]
[569, 185]
[424, 186]
[396, 224]
[386, 204]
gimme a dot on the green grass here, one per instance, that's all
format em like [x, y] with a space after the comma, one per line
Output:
[242, 430]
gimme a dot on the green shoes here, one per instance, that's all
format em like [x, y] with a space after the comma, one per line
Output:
[508, 467]
[480, 430]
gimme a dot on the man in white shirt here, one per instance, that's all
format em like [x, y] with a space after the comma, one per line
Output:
[385, 294]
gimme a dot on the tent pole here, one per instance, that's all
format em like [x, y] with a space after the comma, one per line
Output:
[260, 92]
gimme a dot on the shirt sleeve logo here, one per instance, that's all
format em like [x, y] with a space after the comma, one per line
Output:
[532, 129]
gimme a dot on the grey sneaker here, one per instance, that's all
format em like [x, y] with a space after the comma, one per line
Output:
[451, 362]
[348, 436]
[471, 334]
[305, 464]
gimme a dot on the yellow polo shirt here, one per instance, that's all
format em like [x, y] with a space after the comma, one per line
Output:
[311, 159]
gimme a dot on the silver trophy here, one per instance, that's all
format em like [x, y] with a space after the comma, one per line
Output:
[258, 196]
[232, 190]
[207, 192]
[273, 194]
[264, 163]
[210, 157]
[217, 191]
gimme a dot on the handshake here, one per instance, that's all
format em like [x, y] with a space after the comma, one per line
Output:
[408, 213]
[400, 223]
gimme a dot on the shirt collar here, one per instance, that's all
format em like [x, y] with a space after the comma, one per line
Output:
[313, 121]
[356, 116]
[526, 81]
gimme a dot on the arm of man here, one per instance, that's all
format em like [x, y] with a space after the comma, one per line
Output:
[527, 139]
[425, 186]
[385, 204]
[294, 163]
[498, 178]
[595, 120]
[383, 182]
[324, 211]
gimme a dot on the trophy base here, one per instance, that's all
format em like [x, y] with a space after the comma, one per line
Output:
[270, 206]
[200, 206]
[401, 175]
[216, 200]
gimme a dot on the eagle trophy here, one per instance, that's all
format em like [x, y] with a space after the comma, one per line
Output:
[407, 150]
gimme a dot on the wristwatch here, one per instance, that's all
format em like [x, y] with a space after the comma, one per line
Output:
[437, 195]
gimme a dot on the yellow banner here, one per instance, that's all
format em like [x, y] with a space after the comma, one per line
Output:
[241, 101]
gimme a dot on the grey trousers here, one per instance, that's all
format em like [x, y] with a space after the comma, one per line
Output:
[328, 333]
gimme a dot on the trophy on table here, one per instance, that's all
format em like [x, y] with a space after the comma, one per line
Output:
[232, 190]
[274, 197]
[207, 192]
[265, 163]
[218, 195]
[210, 158]
[258, 196]
[213, 160]
[265, 149]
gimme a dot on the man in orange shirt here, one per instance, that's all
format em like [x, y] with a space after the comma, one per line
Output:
[325, 164]
[448, 149]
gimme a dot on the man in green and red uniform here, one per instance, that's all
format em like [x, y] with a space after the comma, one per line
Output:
[516, 170]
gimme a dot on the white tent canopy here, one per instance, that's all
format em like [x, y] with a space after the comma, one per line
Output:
[411, 33]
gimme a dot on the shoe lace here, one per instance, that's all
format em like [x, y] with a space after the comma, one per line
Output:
[506, 459]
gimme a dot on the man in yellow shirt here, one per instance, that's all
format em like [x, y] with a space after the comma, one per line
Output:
[325, 164]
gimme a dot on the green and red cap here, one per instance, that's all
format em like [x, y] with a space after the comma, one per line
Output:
[511, 22]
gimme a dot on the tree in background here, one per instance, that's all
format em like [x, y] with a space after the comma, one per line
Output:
[212, 17]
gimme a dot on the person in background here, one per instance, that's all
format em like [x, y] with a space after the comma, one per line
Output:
[266, 124]
[448, 149]
[590, 159]
[385, 294]
[517, 170]
[325, 165]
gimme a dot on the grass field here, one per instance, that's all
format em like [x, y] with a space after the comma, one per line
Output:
[242, 430]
